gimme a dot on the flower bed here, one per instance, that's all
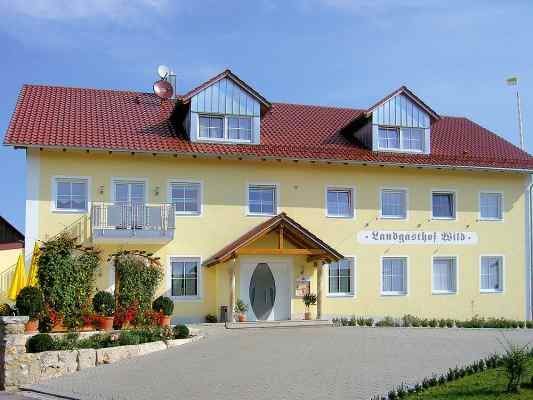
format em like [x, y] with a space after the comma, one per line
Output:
[412, 321]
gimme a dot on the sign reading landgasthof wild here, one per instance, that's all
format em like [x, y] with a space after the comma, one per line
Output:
[417, 237]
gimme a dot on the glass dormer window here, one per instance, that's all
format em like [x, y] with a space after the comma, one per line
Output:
[225, 128]
[402, 139]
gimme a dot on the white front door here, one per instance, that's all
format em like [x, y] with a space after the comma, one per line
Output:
[265, 287]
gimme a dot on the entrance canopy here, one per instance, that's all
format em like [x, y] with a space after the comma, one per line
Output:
[289, 231]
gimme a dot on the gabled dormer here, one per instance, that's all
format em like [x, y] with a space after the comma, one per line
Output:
[224, 110]
[400, 122]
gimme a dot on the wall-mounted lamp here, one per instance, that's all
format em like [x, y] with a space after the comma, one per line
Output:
[156, 191]
[101, 189]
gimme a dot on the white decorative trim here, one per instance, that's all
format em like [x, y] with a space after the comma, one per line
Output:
[200, 273]
[33, 186]
[277, 196]
[502, 205]
[380, 201]
[353, 283]
[53, 202]
[528, 236]
[353, 207]
[172, 181]
[455, 203]
[445, 292]
[502, 256]
[383, 293]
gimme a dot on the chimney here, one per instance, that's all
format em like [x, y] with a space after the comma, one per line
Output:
[171, 78]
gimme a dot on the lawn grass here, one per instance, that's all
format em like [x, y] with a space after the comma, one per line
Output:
[490, 384]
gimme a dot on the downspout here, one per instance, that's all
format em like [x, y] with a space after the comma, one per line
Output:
[529, 247]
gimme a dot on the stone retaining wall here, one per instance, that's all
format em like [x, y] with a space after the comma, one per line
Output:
[17, 367]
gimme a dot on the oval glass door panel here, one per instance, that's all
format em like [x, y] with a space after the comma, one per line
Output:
[262, 291]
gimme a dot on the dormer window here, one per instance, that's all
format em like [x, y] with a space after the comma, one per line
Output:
[406, 139]
[225, 128]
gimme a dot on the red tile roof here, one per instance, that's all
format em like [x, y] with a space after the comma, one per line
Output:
[119, 120]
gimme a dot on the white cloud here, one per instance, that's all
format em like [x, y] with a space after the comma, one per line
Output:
[59, 10]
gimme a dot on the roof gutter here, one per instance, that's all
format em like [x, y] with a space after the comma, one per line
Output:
[275, 158]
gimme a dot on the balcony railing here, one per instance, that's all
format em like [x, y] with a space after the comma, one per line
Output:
[132, 221]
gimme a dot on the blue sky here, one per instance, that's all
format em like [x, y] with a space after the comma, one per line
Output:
[455, 55]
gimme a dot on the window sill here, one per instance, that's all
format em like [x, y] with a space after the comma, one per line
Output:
[223, 140]
[184, 214]
[484, 291]
[68, 211]
[340, 295]
[490, 219]
[443, 292]
[393, 218]
[351, 216]
[389, 294]
[249, 214]
[444, 218]
[186, 298]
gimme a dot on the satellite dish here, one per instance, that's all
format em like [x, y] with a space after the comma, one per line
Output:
[163, 71]
[163, 89]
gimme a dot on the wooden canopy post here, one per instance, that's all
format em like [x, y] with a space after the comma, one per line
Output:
[231, 311]
[318, 290]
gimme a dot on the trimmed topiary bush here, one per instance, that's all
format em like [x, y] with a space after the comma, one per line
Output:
[211, 319]
[30, 302]
[163, 304]
[104, 304]
[181, 332]
[40, 342]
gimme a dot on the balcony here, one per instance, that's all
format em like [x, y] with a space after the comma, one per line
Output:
[132, 222]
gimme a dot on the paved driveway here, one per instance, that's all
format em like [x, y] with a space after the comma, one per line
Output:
[292, 363]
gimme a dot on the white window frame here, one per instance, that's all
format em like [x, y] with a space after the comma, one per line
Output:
[401, 149]
[349, 189]
[453, 192]
[480, 217]
[225, 124]
[55, 180]
[394, 293]
[120, 179]
[450, 257]
[394, 189]
[353, 280]
[273, 185]
[181, 258]
[200, 200]
[502, 257]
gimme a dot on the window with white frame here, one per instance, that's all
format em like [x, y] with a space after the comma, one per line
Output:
[394, 275]
[444, 275]
[185, 277]
[186, 197]
[395, 138]
[262, 199]
[240, 128]
[443, 205]
[490, 206]
[394, 203]
[211, 127]
[228, 127]
[339, 202]
[491, 273]
[71, 194]
[340, 277]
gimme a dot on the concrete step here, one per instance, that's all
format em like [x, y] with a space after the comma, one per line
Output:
[277, 324]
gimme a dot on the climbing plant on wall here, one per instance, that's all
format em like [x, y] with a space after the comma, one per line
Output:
[138, 274]
[67, 274]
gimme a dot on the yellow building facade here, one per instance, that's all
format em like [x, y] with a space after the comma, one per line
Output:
[383, 211]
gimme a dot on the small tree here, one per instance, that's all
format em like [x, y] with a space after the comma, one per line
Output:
[309, 300]
[30, 302]
[104, 304]
[241, 307]
[515, 363]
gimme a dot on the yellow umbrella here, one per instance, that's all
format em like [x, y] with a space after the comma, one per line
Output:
[19, 279]
[32, 277]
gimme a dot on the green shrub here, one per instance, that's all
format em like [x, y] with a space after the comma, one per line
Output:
[529, 324]
[386, 322]
[45, 323]
[163, 304]
[30, 302]
[433, 323]
[181, 331]
[515, 363]
[424, 322]
[211, 319]
[5, 309]
[442, 323]
[40, 342]
[67, 274]
[128, 338]
[449, 323]
[66, 342]
[352, 321]
[104, 303]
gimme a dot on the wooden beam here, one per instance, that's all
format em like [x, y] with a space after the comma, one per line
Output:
[280, 237]
[293, 252]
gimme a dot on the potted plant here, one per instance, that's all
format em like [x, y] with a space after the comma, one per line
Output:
[165, 306]
[30, 302]
[104, 307]
[240, 308]
[309, 300]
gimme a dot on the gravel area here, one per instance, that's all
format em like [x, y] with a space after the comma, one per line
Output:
[292, 363]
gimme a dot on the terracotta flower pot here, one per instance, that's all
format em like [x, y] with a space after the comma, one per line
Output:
[307, 315]
[105, 323]
[32, 325]
[242, 318]
[87, 327]
[58, 327]
[164, 320]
